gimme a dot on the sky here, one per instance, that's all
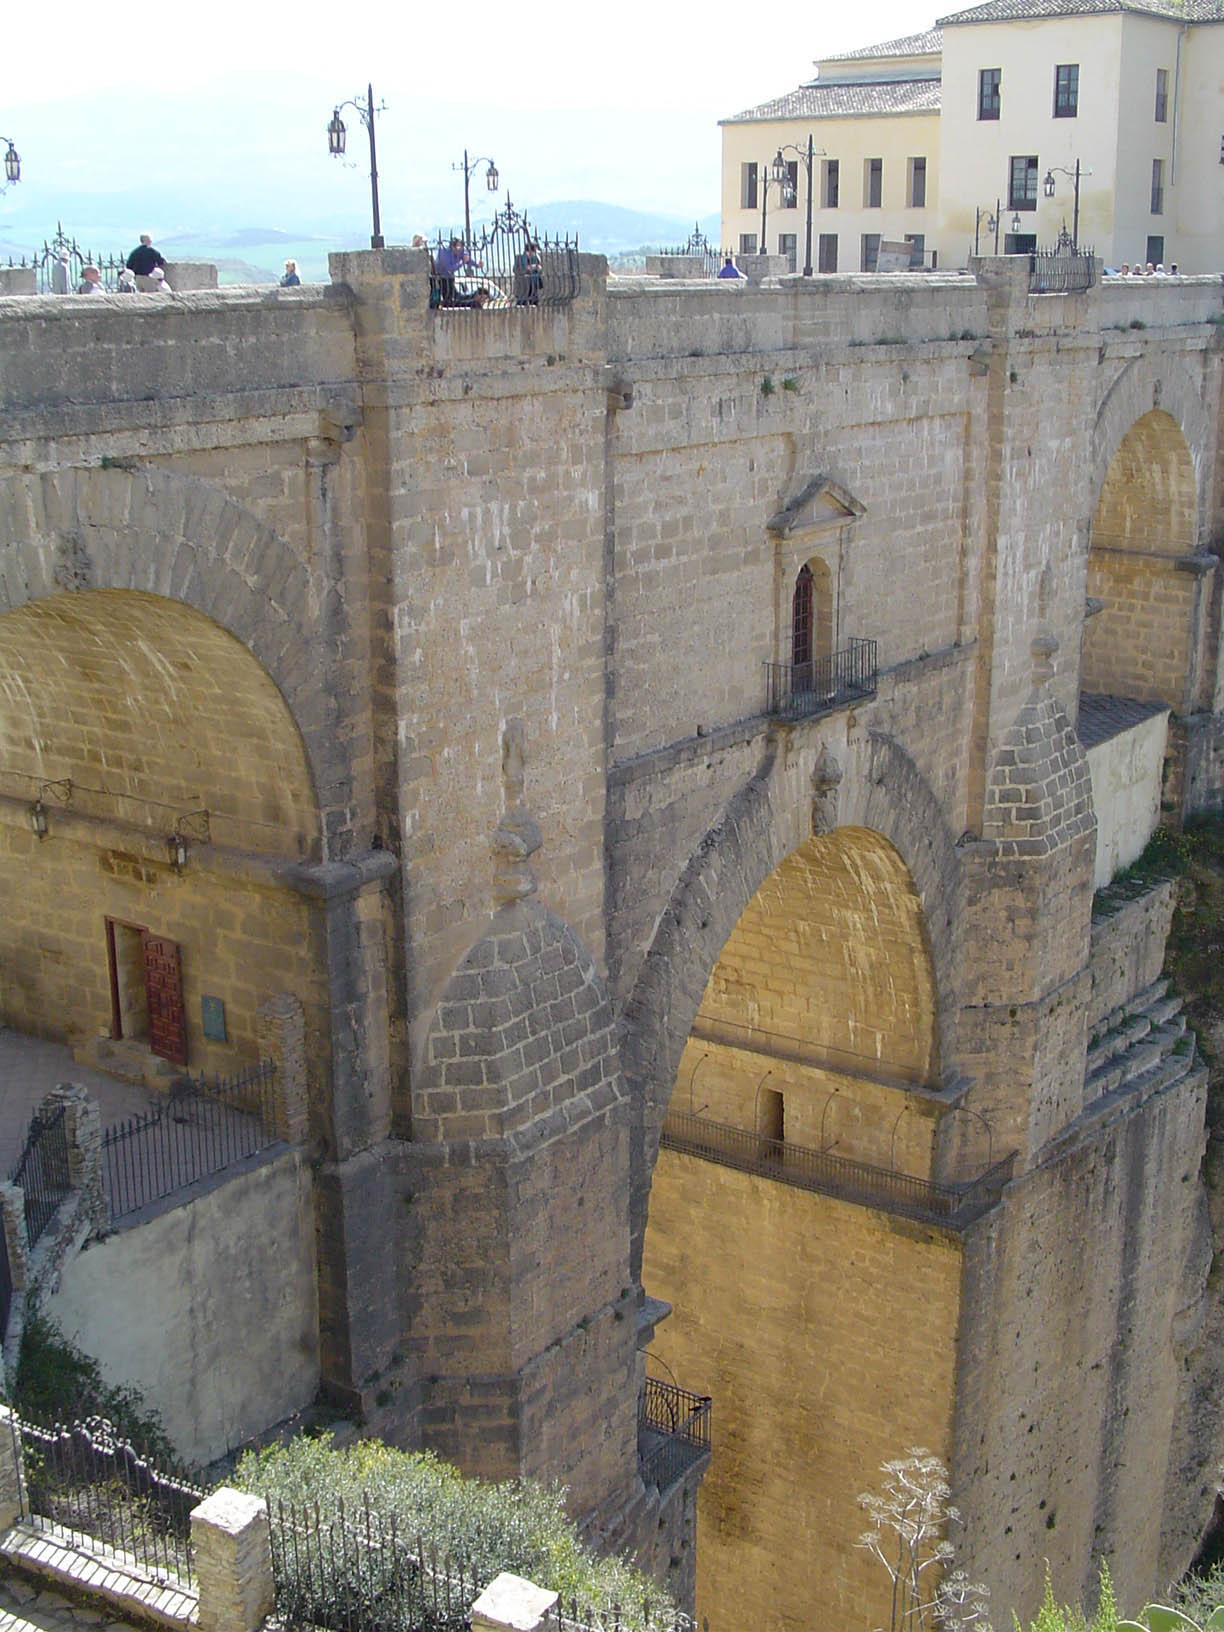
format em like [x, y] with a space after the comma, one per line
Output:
[213, 105]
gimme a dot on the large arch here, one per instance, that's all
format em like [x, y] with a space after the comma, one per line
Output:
[178, 537]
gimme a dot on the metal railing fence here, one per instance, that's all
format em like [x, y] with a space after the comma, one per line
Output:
[204, 1126]
[699, 247]
[1061, 271]
[808, 1169]
[87, 1480]
[798, 690]
[507, 264]
[42, 1171]
[673, 1431]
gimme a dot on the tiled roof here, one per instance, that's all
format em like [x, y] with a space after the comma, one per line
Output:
[820, 101]
[1005, 11]
[913, 45]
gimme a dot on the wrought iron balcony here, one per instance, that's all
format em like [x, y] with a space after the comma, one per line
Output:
[808, 1169]
[1061, 271]
[673, 1431]
[798, 690]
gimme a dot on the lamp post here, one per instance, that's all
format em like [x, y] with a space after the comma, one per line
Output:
[491, 179]
[769, 178]
[806, 157]
[1048, 186]
[336, 137]
[12, 165]
[992, 224]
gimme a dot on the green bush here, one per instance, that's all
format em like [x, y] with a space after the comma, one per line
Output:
[1053, 1617]
[56, 1382]
[485, 1528]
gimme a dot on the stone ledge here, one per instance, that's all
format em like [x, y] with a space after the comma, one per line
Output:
[49, 1556]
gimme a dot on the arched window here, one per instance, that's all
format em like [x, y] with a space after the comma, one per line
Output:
[801, 619]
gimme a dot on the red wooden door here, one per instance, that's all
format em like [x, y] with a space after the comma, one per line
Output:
[164, 981]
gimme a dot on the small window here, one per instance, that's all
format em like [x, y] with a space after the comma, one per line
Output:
[873, 183]
[1162, 96]
[1066, 90]
[748, 186]
[1022, 182]
[747, 243]
[788, 245]
[917, 243]
[869, 251]
[988, 92]
[1155, 249]
[827, 252]
[790, 187]
[1019, 243]
[916, 188]
[831, 185]
[1157, 186]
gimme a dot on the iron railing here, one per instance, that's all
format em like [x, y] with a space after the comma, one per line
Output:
[204, 1126]
[699, 246]
[673, 1431]
[88, 1480]
[508, 264]
[42, 1170]
[1061, 271]
[885, 1188]
[798, 690]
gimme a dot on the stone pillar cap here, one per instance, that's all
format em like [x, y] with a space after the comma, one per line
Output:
[510, 1601]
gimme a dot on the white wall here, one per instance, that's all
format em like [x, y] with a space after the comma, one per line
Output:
[1126, 775]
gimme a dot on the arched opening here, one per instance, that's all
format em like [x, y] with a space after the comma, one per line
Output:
[1139, 644]
[153, 785]
[811, 621]
[790, 1229]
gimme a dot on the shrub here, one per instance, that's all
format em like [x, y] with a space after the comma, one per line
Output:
[56, 1382]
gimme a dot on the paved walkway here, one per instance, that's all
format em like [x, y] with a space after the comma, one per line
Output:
[29, 1068]
[26, 1608]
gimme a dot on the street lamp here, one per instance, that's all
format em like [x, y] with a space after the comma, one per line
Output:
[805, 157]
[1048, 185]
[992, 224]
[772, 175]
[491, 179]
[12, 164]
[336, 136]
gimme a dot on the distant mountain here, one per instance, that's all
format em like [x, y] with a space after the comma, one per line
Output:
[610, 229]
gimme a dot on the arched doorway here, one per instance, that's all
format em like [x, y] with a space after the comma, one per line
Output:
[1140, 643]
[810, 1301]
[153, 786]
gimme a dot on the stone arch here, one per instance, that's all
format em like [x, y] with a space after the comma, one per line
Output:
[1149, 383]
[770, 817]
[164, 534]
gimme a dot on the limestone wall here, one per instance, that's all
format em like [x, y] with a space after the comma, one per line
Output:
[208, 1309]
[1126, 788]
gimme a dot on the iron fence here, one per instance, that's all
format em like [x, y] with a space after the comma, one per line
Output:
[798, 690]
[808, 1169]
[673, 1431]
[700, 248]
[508, 264]
[1061, 271]
[88, 1480]
[43, 1171]
[204, 1126]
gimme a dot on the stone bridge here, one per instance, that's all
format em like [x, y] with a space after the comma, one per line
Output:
[701, 702]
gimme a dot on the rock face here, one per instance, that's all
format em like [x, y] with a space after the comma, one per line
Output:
[648, 723]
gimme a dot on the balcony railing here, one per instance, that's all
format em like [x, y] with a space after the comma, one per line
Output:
[1061, 271]
[673, 1431]
[883, 1187]
[798, 690]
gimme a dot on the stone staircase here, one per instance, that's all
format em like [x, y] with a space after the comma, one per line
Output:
[1142, 1047]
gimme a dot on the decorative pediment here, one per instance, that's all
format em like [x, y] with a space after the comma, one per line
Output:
[822, 503]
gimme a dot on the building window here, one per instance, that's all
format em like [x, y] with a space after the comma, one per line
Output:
[1066, 90]
[788, 245]
[801, 619]
[826, 252]
[831, 185]
[1019, 243]
[790, 187]
[747, 243]
[1155, 250]
[1157, 186]
[917, 243]
[748, 186]
[873, 183]
[916, 188]
[988, 92]
[1162, 96]
[869, 251]
[1022, 182]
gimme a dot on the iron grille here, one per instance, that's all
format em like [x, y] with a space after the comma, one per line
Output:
[1061, 271]
[798, 690]
[673, 1431]
[507, 265]
[883, 1187]
[43, 1171]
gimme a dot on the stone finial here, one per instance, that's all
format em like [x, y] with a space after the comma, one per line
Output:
[1044, 649]
[518, 833]
[826, 781]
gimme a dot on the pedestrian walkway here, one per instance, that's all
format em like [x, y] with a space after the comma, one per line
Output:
[27, 1608]
[30, 1067]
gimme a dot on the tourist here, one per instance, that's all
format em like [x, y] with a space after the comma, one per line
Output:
[127, 283]
[91, 282]
[290, 279]
[729, 269]
[528, 275]
[158, 279]
[144, 258]
[448, 263]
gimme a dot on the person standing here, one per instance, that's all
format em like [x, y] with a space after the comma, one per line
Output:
[448, 263]
[91, 281]
[144, 258]
[729, 269]
[290, 279]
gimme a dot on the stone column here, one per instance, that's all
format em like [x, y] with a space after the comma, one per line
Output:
[281, 1028]
[511, 1604]
[12, 1472]
[233, 1549]
[83, 1131]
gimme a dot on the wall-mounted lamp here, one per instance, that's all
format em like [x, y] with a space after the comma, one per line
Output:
[38, 819]
[60, 790]
[1016, 223]
[192, 824]
[176, 844]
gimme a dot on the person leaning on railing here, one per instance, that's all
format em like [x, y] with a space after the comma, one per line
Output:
[450, 260]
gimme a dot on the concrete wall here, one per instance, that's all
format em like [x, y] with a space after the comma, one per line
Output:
[208, 1308]
[1126, 775]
